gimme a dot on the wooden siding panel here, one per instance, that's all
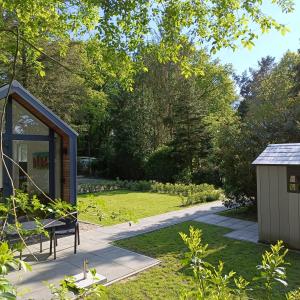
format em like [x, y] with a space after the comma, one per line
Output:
[274, 203]
[265, 204]
[294, 219]
[258, 180]
[284, 223]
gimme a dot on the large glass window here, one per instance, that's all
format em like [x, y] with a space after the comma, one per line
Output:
[33, 158]
[24, 122]
[32, 170]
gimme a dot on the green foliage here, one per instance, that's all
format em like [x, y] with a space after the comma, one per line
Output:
[272, 270]
[89, 207]
[293, 295]
[212, 283]
[207, 195]
[161, 165]
[8, 262]
[67, 289]
[268, 113]
[31, 207]
[140, 185]
[21, 205]
[198, 192]
[125, 26]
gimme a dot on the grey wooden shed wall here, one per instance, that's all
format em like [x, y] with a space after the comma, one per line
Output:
[278, 210]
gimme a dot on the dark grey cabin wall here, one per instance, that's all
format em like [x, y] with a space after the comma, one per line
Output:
[278, 210]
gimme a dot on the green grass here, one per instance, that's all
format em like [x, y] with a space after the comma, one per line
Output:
[119, 205]
[244, 213]
[166, 280]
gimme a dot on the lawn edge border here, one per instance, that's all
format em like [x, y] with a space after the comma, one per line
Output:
[132, 273]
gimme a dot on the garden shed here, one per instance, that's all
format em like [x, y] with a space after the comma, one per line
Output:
[40, 145]
[278, 194]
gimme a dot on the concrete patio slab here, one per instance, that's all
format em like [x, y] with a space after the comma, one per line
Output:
[242, 229]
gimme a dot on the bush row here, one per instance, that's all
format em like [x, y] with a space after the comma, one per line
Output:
[181, 189]
[141, 185]
[202, 197]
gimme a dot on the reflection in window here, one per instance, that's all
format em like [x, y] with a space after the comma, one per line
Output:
[293, 181]
[33, 157]
[26, 123]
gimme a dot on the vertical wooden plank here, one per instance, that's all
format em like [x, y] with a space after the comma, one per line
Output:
[258, 185]
[265, 204]
[66, 170]
[283, 201]
[274, 205]
[294, 219]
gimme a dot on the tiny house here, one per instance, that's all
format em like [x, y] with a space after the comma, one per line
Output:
[37, 145]
[278, 194]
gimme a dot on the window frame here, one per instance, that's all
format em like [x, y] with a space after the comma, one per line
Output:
[293, 171]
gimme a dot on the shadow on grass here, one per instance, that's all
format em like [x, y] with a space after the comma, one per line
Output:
[243, 213]
[108, 193]
[167, 240]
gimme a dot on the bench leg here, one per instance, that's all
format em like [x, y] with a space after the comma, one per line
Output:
[51, 238]
[54, 244]
[20, 257]
[78, 237]
[41, 243]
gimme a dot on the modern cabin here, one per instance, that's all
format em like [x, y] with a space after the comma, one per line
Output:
[36, 144]
[278, 194]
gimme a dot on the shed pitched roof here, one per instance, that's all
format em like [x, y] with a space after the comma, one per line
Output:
[17, 88]
[279, 154]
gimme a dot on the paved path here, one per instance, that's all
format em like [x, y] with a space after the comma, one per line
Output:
[113, 262]
[242, 230]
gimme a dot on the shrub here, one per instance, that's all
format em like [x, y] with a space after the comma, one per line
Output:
[141, 185]
[183, 189]
[162, 165]
[243, 201]
[186, 201]
[201, 197]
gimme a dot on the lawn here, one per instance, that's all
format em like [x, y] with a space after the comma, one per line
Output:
[119, 206]
[244, 213]
[166, 280]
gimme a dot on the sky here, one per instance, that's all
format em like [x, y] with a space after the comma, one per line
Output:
[272, 43]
